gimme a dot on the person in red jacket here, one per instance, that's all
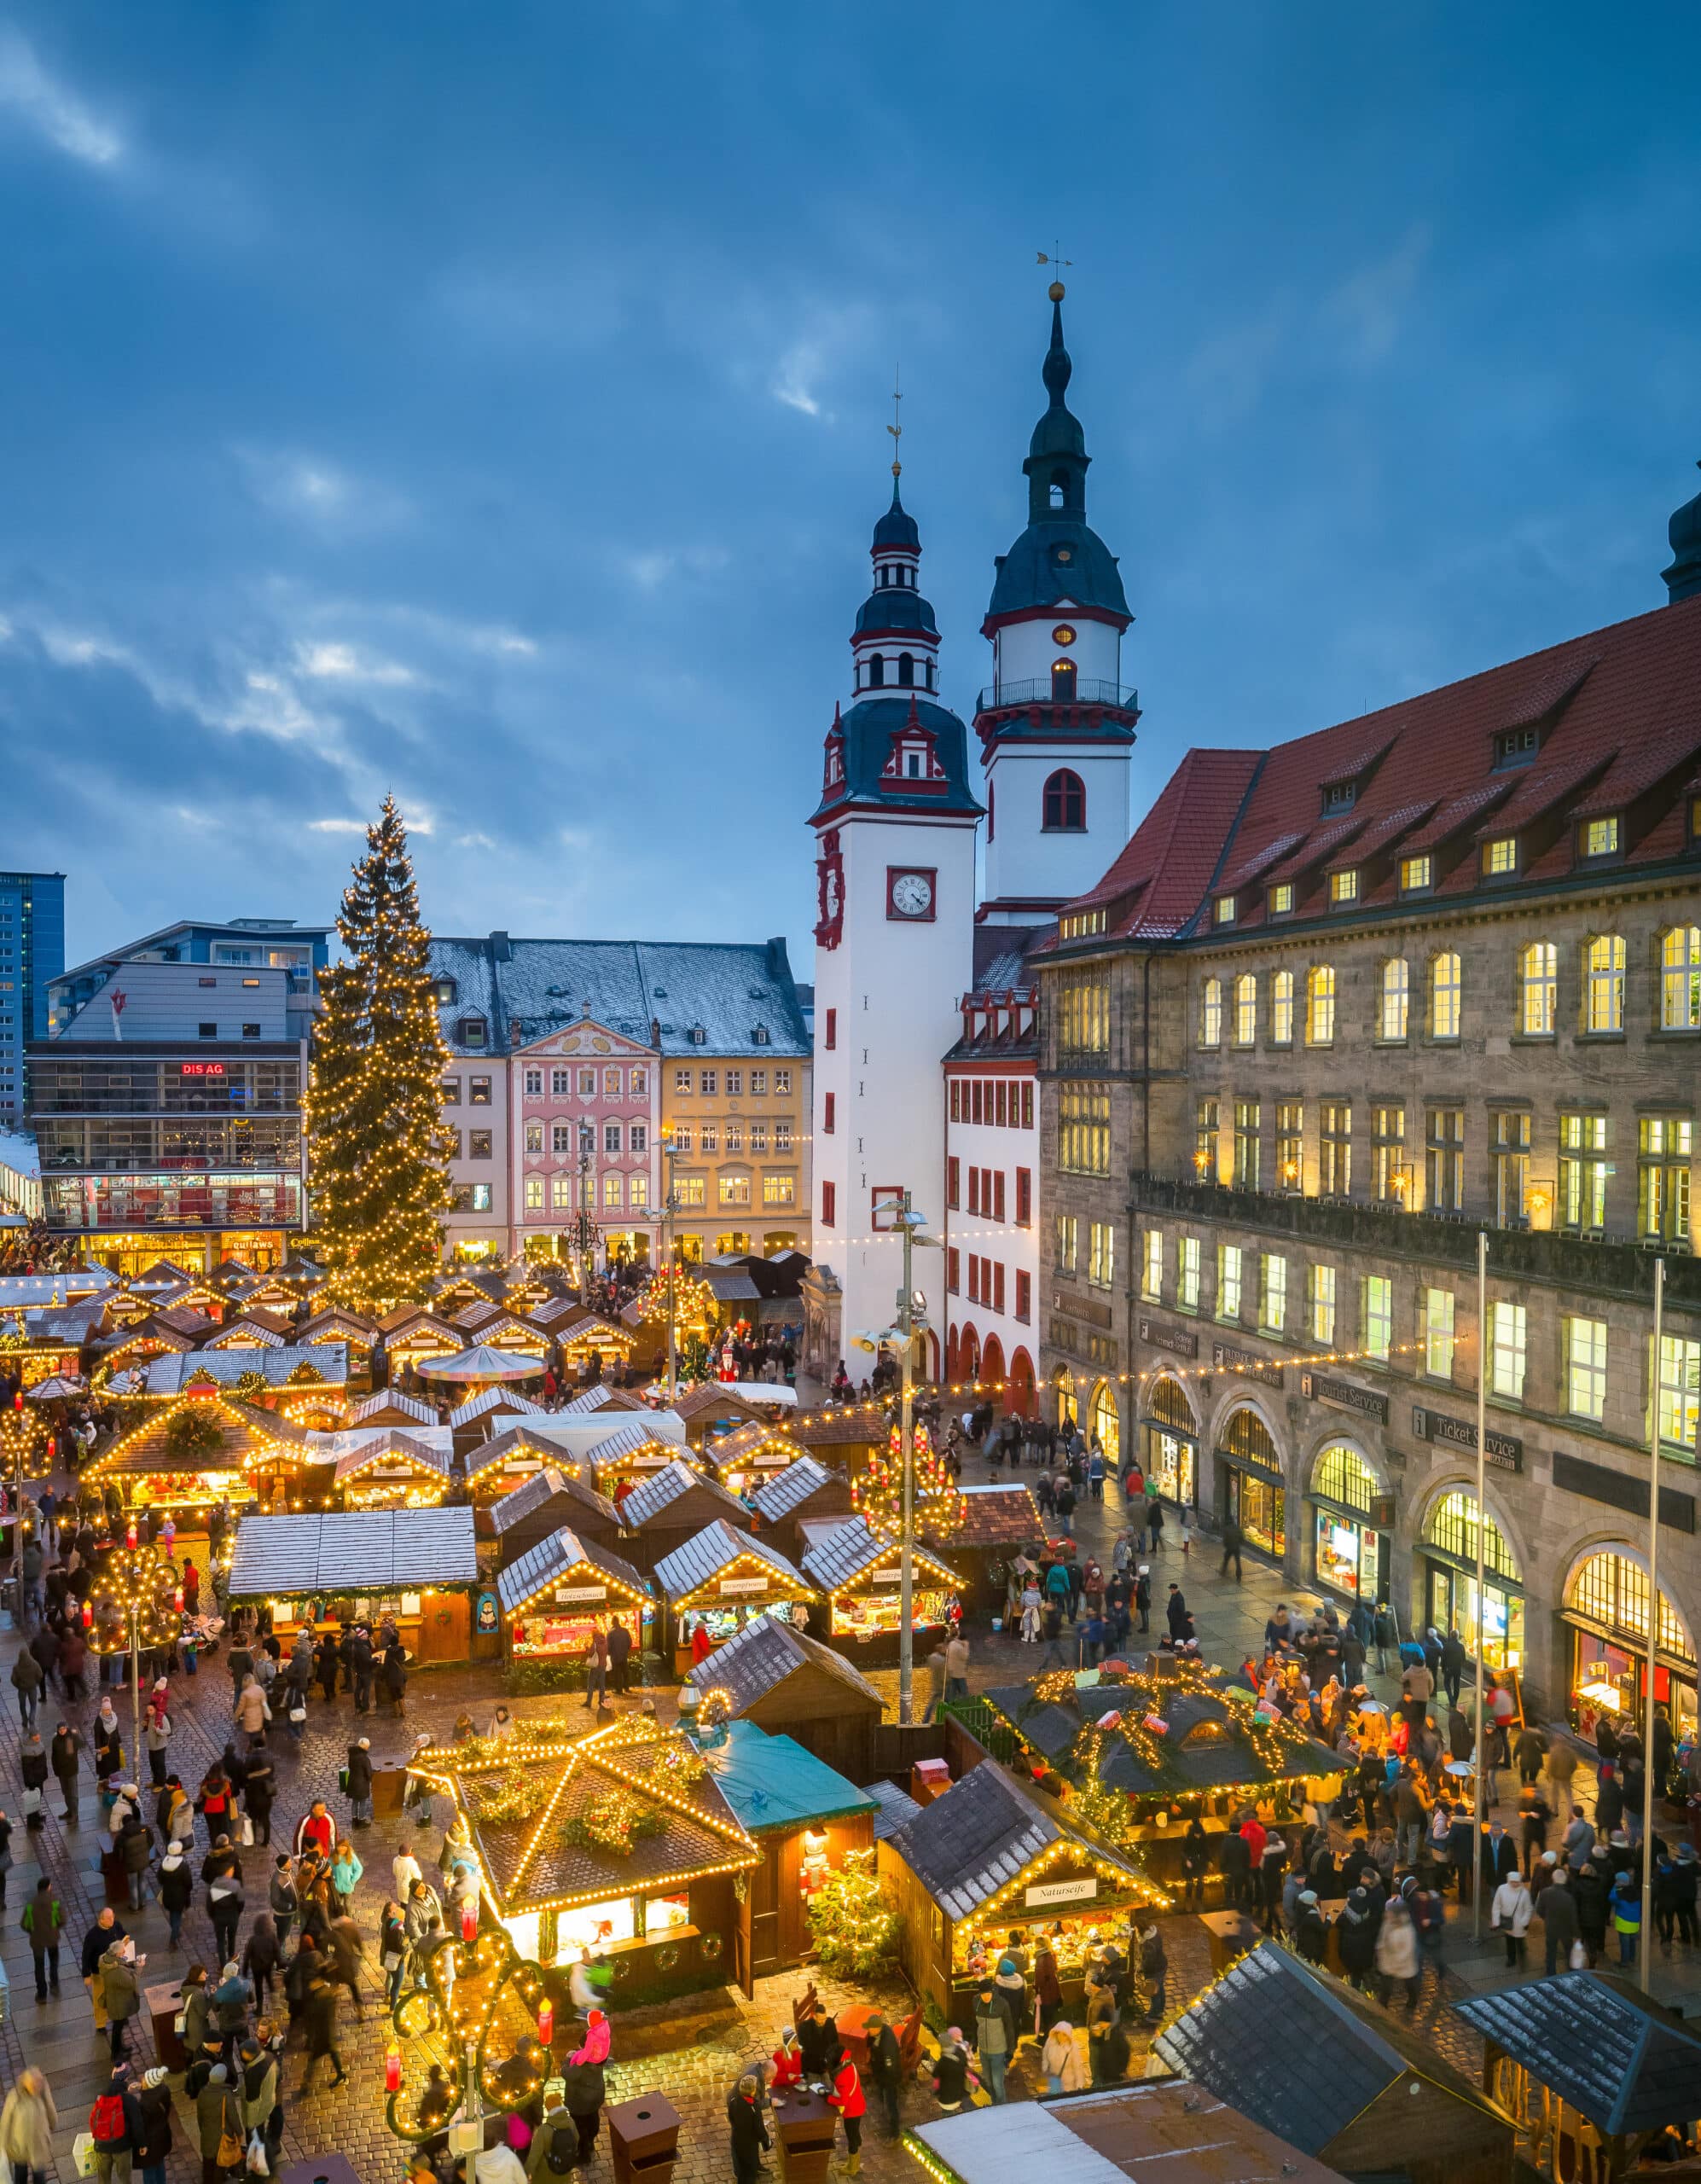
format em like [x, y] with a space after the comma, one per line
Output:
[788, 2061]
[846, 2097]
[1256, 1836]
[317, 1831]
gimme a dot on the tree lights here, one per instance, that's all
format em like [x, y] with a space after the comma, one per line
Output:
[878, 1493]
[137, 1600]
[377, 1152]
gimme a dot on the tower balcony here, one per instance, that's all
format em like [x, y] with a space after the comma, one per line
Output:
[1055, 690]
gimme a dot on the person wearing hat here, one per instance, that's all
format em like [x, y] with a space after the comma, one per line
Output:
[788, 2061]
[153, 2143]
[261, 2074]
[120, 1992]
[584, 2090]
[555, 2145]
[219, 2118]
[1310, 1936]
[886, 2068]
[952, 2081]
[995, 2038]
[750, 2139]
[177, 1891]
[221, 1872]
[359, 1771]
[846, 2096]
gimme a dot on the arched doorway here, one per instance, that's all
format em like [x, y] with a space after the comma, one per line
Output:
[1254, 1487]
[1104, 1421]
[992, 1364]
[1449, 1573]
[1607, 1610]
[968, 1359]
[1019, 1393]
[1349, 1555]
[1169, 1451]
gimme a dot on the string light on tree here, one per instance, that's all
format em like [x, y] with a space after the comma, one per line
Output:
[377, 1152]
[878, 1493]
[135, 1603]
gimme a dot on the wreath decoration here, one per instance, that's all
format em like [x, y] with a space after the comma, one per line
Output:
[613, 1821]
[667, 1957]
[711, 1944]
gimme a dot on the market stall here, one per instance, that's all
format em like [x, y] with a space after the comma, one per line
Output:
[997, 1523]
[411, 1334]
[491, 1412]
[775, 1674]
[417, 1567]
[859, 1572]
[720, 1581]
[632, 1451]
[618, 1848]
[748, 1456]
[538, 1509]
[510, 1458]
[205, 1447]
[846, 1436]
[711, 1410]
[560, 1593]
[390, 1407]
[805, 1492]
[392, 1470]
[593, 1343]
[985, 1861]
[672, 1506]
[1138, 1753]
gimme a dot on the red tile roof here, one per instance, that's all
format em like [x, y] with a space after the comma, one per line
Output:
[1619, 712]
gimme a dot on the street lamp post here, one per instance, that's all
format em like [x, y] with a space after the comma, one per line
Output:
[138, 1591]
[670, 1207]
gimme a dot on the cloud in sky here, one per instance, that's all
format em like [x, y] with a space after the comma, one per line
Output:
[430, 425]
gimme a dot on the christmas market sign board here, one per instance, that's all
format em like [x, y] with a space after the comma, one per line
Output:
[555, 1596]
[1504, 1450]
[1082, 1890]
[1323, 1387]
[1179, 1342]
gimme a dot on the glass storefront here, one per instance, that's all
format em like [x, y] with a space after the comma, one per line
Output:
[1104, 1420]
[1449, 1550]
[1351, 1556]
[1606, 1605]
[1254, 1491]
[1170, 1445]
[1610, 1681]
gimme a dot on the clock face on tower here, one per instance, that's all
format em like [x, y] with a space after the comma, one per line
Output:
[911, 893]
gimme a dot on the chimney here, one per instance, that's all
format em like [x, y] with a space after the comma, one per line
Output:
[501, 948]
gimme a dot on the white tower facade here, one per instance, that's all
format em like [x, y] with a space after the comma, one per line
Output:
[894, 833]
[1057, 722]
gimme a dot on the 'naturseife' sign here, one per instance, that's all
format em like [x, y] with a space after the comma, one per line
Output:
[1061, 1892]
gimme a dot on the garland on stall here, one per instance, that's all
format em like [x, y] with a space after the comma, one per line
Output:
[514, 1796]
[613, 1820]
[669, 1766]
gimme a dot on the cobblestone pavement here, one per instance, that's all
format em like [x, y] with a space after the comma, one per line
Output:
[696, 2074]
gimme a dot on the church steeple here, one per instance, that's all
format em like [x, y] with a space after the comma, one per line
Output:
[1056, 467]
[1683, 577]
[895, 645]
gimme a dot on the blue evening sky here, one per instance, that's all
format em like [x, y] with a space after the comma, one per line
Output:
[489, 403]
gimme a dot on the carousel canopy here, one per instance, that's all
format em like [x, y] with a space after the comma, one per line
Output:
[1605, 2047]
[366, 1551]
[551, 1560]
[480, 1363]
[703, 1558]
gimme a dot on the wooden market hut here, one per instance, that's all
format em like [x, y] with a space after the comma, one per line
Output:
[507, 1460]
[306, 1382]
[720, 1579]
[411, 1333]
[549, 1499]
[574, 1433]
[492, 1411]
[627, 1453]
[253, 1330]
[779, 1677]
[672, 1506]
[846, 1435]
[1150, 2133]
[997, 1522]
[592, 1343]
[747, 1458]
[420, 1567]
[390, 1407]
[1336, 2075]
[984, 1860]
[803, 1816]
[204, 1447]
[711, 1410]
[392, 1470]
[557, 1594]
[1172, 1741]
[1619, 2068]
[618, 1845]
[805, 1492]
[336, 1324]
[859, 1572]
[600, 1396]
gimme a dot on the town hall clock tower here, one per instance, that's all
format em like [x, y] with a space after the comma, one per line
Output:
[894, 834]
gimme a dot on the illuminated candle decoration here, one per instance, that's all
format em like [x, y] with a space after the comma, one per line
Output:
[546, 2022]
[392, 2071]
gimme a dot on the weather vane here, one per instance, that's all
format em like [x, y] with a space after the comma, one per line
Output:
[894, 428]
[1058, 263]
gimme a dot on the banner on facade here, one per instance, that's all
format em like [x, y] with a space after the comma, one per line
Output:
[1504, 1450]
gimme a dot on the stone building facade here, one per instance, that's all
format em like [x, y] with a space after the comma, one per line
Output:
[1336, 1008]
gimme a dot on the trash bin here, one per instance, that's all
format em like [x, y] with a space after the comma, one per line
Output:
[388, 1784]
[643, 2136]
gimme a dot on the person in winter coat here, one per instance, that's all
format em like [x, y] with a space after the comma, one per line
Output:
[65, 1757]
[136, 1845]
[1624, 1903]
[750, 2139]
[154, 2141]
[1399, 1957]
[396, 1677]
[1511, 1913]
[995, 2038]
[319, 2013]
[221, 1874]
[27, 2123]
[846, 2097]
[1556, 1907]
[281, 1900]
[584, 2091]
[317, 1830]
[1154, 1972]
[1356, 1931]
[360, 1781]
[261, 2075]
[1310, 1936]
[1107, 2047]
[197, 2010]
[884, 2069]
[554, 2152]
[952, 2081]
[100, 1938]
[344, 1878]
[1047, 1987]
[120, 1992]
[1060, 2060]
[218, 2114]
[177, 1891]
[232, 2000]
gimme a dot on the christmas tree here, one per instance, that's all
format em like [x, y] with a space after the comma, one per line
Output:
[855, 1928]
[879, 1493]
[23, 1444]
[377, 1152]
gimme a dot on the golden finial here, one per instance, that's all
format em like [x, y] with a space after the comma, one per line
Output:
[1055, 291]
[894, 428]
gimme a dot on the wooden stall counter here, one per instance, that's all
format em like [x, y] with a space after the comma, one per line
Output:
[805, 2126]
[1232, 1934]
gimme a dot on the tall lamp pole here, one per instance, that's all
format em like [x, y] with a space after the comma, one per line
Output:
[132, 1606]
[669, 1208]
[1482, 1529]
[1651, 1709]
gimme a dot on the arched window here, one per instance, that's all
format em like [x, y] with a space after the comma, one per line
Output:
[1320, 1005]
[1393, 998]
[1452, 1527]
[1245, 1009]
[1681, 979]
[877, 672]
[1604, 984]
[906, 671]
[1611, 1592]
[1341, 1475]
[1282, 1010]
[1538, 979]
[1244, 1433]
[1445, 994]
[1058, 491]
[1064, 804]
[1104, 1421]
[1168, 1406]
[1210, 1013]
[1063, 683]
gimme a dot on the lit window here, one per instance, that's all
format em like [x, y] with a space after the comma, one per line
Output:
[449, 1091]
[1446, 995]
[681, 1140]
[586, 1084]
[1344, 886]
[1187, 1274]
[1378, 1301]
[779, 1190]
[734, 1190]
[560, 1193]
[1245, 1009]
[1605, 987]
[1068, 1238]
[1101, 1254]
[1152, 1265]
[1416, 873]
[1538, 980]
[534, 1137]
[478, 1199]
[1679, 1390]
[1583, 1171]
[1205, 1135]
[1282, 1010]
[1438, 1333]
[1586, 1367]
[1320, 1301]
[478, 1091]
[534, 1194]
[1600, 837]
[1681, 979]
[682, 1078]
[1290, 1146]
[1508, 1337]
[1500, 857]
[611, 1190]
[1445, 1135]
[1272, 1292]
[1210, 1013]
[1393, 999]
[1319, 1006]
[638, 1190]
[690, 1189]
[1248, 1115]
[1662, 1176]
[1281, 899]
[1225, 909]
[1335, 1149]
[1230, 1259]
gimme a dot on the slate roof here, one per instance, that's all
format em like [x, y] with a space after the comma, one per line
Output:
[551, 1558]
[707, 1552]
[1619, 730]
[777, 1498]
[251, 1437]
[713, 1399]
[1601, 2045]
[980, 1833]
[997, 1516]
[1299, 2051]
[654, 1496]
[758, 1659]
[626, 1444]
[388, 1405]
[868, 730]
[167, 1374]
[365, 1551]
[846, 1426]
[538, 1492]
[893, 1809]
[353, 1461]
[599, 1398]
[726, 989]
[253, 1331]
[494, 1402]
[746, 1444]
[846, 1552]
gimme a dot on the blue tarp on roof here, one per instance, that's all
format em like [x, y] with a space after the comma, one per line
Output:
[771, 1781]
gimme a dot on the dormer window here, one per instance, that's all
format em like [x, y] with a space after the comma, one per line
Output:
[1224, 912]
[1340, 796]
[1281, 900]
[1516, 746]
[1602, 836]
[1343, 887]
[759, 1037]
[1416, 874]
[445, 992]
[473, 1031]
[699, 1037]
[1500, 857]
